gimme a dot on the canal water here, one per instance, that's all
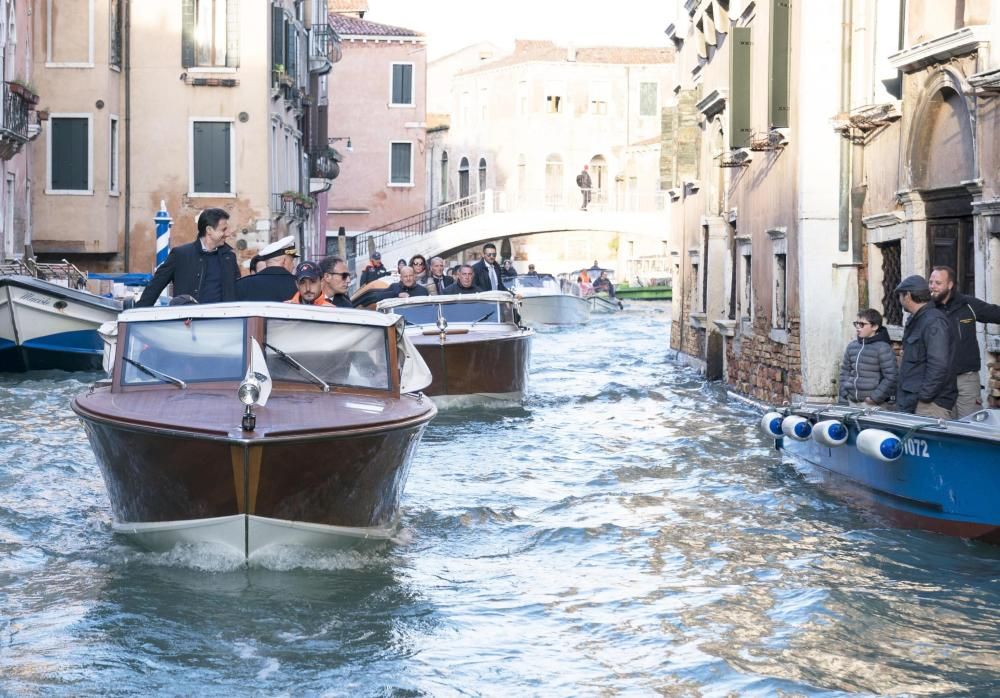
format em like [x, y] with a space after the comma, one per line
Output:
[627, 532]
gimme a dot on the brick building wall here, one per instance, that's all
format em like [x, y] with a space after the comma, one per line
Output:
[763, 369]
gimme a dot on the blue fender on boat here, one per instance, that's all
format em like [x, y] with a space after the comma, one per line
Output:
[798, 428]
[770, 425]
[830, 432]
[880, 444]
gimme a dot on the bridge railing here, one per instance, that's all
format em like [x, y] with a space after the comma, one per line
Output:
[601, 200]
[425, 222]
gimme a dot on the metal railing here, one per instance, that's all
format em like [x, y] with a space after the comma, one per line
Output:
[324, 48]
[423, 223]
[15, 115]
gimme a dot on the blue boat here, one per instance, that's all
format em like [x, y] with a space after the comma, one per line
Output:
[916, 472]
[44, 325]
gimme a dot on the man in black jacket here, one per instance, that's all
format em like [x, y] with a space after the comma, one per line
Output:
[437, 282]
[926, 381]
[465, 282]
[406, 287]
[205, 269]
[336, 279]
[275, 282]
[964, 312]
[488, 274]
[374, 270]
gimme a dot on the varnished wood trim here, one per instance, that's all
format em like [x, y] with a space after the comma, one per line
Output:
[237, 454]
[253, 485]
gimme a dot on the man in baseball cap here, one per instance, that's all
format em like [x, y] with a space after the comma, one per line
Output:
[275, 281]
[374, 270]
[309, 282]
[927, 384]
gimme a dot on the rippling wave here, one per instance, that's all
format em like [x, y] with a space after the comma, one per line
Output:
[626, 531]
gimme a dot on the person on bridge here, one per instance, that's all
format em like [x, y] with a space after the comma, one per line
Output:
[583, 181]
[465, 283]
[489, 276]
[275, 281]
[374, 270]
[406, 287]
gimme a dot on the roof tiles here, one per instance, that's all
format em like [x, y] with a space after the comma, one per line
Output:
[352, 26]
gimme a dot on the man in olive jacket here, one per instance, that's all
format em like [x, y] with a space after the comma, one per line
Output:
[205, 269]
[926, 380]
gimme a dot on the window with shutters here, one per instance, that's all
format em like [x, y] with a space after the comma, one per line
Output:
[69, 154]
[113, 156]
[402, 85]
[401, 164]
[212, 157]
[648, 98]
[600, 95]
[115, 33]
[555, 91]
[779, 60]
[740, 79]
[210, 33]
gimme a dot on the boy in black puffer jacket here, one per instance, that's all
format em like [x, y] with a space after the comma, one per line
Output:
[868, 371]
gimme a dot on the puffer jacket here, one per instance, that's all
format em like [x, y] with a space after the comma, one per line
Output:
[869, 369]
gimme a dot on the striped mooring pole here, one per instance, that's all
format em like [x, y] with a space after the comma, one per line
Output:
[163, 225]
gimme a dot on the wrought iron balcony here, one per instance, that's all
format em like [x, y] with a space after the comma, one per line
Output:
[324, 48]
[14, 129]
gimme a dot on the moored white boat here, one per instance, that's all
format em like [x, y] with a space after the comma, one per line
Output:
[46, 325]
[544, 301]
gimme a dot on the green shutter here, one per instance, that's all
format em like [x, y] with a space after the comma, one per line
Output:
[740, 128]
[233, 33]
[291, 50]
[277, 36]
[187, 34]
[69, 162]
[777, 114]
[212, 146]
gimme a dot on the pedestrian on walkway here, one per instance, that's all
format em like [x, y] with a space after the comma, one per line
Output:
[964, 312]
[583, 181]
[926, 382]
[205, 269]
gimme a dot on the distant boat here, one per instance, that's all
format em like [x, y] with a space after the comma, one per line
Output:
[645, 293]
[602, 303]
[916, 472]
[256, 424]
[476, 351]
[45, 325]
[547, 301]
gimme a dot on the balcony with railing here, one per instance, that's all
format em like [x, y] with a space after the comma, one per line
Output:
[324, 163]
[14, 129]
[324, 48]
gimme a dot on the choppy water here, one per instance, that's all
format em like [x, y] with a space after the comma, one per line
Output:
[626, 533]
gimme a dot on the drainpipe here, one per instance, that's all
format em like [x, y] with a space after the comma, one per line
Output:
[127, 69]
[845, 106]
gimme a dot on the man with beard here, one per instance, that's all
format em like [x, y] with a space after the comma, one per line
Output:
[964, 312]
[308, 279]
[487, 271]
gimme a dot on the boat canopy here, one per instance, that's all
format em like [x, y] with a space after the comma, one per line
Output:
[546, 281]
[288, 311]
[489, 307]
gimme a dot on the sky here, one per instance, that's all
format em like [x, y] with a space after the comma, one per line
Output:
[453, 24]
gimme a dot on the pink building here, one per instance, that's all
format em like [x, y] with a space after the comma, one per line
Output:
[18, 124]
[377, 122]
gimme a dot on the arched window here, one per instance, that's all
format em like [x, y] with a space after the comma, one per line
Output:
[553, 179]
[482, 174]
[444, 176]
[463, 178]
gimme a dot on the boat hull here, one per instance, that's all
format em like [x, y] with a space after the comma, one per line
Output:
[645, 293]
[604, 305]
[329, 490]
[555, 309]
[476, 369]
[944, 482]
[46, 326]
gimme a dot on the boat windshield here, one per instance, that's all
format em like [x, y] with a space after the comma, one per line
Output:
[338, 354]
[426, 314]
[194, 350]
[546, 281]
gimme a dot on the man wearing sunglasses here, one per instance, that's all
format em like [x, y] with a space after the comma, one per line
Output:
[487, 270]
[336, 279]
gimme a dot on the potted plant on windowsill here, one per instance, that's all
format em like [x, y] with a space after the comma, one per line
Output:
[289, 195]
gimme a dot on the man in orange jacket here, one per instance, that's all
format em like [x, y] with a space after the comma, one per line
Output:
[309, 281]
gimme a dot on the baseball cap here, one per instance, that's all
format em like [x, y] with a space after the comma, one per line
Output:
[376, 255]
[307, 270]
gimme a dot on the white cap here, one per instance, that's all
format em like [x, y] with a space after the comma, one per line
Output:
[285, 245]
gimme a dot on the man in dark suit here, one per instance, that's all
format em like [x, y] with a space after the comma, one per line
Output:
[406, 287]
[487, 271]
[205, 269]
[275, 282]
[437, 282]
[464, 284]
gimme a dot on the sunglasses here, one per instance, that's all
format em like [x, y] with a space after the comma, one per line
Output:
[491, 255]
[345, 275]
[859, 323]
[418, 264]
